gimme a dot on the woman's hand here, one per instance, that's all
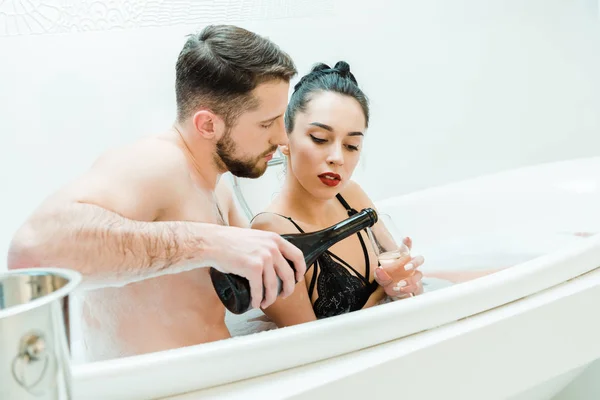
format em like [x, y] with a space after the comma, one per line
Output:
[400, 277]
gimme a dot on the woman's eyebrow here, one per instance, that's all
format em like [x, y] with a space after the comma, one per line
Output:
[320, 125]
[330, 129]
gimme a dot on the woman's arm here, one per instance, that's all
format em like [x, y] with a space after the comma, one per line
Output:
[296, 308]
[401, 277]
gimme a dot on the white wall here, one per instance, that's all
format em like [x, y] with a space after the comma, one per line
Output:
[458, 88]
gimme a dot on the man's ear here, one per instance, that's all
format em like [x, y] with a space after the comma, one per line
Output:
[207, 124]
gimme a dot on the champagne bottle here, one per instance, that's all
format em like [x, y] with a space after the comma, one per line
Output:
[234, 290]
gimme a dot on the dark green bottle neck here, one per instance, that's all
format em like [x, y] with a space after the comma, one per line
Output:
[312, 244]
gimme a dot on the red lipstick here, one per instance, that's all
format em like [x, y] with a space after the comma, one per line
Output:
[330, 179]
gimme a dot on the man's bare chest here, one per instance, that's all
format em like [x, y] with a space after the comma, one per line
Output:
[196, 206]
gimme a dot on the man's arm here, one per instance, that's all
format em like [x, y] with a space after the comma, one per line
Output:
[104, 246]
[103, 223]
[104, 226]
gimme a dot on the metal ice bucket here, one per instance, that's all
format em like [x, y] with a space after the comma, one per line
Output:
[34, 333]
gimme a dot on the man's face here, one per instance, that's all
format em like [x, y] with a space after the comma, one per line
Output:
[247, 146]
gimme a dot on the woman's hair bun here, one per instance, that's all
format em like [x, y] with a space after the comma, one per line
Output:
[343, 67]
[319, 67]
[344, 70]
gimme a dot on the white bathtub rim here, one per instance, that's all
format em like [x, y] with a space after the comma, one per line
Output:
[434, 309]
[306, 378]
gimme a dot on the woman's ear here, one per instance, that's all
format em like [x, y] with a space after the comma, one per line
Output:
[285, 149]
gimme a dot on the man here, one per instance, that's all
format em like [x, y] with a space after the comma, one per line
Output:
[145, 222]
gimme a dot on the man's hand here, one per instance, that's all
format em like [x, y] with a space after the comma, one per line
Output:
[260, 257]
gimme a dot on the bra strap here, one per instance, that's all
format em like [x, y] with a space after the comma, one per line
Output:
[351, 211]
[282, 216]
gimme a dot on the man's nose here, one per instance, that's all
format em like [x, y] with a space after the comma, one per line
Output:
[279, 134]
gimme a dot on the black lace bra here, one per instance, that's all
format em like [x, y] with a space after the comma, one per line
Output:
[340, 287]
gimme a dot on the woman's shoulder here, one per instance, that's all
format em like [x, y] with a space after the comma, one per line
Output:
[273, 222]
[355, 196]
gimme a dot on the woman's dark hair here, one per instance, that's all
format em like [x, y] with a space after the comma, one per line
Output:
[322, 78]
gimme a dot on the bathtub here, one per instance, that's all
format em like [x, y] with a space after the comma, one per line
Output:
[521, 333]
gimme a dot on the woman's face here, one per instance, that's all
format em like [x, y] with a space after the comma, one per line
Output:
[326, 143]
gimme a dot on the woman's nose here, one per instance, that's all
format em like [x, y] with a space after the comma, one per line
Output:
[336, 156]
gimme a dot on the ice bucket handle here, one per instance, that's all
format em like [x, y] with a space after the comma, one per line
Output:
[32, 350]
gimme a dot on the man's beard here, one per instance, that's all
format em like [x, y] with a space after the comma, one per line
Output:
[243, 168]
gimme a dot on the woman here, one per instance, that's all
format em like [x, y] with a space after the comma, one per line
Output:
[326, 121]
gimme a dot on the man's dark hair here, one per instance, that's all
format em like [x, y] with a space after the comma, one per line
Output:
[220, 66]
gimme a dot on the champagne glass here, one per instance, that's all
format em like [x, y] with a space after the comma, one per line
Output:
[387, 240]
[390, 249]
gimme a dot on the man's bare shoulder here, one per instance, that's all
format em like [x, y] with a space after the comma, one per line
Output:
[136, 180]
[154, 155]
